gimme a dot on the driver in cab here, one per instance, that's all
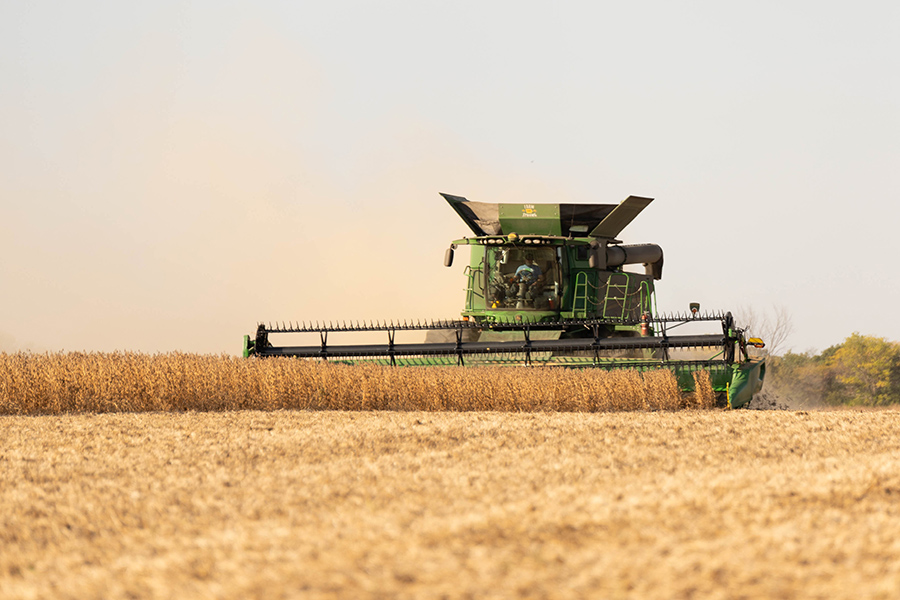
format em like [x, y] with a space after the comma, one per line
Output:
[529, 273]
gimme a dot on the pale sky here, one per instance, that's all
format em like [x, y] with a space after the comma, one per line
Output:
[173, 173]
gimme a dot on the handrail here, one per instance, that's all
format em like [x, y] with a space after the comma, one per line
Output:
[610, 285]
[584, 302]
[470, 288]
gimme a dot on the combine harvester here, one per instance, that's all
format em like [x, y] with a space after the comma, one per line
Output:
[547, 286]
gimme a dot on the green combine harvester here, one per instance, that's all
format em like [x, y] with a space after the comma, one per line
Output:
[547, 285]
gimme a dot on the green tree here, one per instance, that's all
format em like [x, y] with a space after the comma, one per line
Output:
[864, 371]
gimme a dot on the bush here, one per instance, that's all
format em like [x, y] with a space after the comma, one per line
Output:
[862, 371]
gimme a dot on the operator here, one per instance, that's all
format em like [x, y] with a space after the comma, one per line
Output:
[529, 273]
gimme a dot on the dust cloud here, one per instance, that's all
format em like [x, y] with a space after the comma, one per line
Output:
[157, 213]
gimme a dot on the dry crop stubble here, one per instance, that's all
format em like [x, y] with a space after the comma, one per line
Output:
[422, 504]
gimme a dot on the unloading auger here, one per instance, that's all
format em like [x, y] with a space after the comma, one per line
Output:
[547, 285]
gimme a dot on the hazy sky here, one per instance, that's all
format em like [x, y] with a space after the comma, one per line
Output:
[172, 173]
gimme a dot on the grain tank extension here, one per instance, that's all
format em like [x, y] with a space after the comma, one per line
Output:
[550, 284]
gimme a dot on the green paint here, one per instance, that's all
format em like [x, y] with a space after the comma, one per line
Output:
[533, 219]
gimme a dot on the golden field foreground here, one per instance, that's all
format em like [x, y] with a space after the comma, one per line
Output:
[323, 504]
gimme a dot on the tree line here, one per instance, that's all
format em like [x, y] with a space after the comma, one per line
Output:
[862, 371]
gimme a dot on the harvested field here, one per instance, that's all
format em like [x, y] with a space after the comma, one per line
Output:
[48, 384]
[322, 504]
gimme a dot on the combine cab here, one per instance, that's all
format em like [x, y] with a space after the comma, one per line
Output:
[549, 284]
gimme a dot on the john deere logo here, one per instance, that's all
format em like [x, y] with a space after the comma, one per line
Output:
[529, 211]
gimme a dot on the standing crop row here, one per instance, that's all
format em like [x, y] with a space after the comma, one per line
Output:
[32, 384]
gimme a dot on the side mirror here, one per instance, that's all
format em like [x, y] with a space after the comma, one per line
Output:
[448, 257]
